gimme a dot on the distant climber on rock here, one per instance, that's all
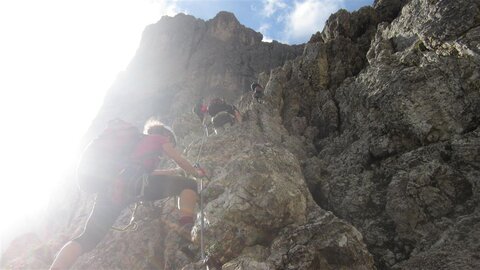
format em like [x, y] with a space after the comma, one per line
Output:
[222, 114]
[126, 184]
[257, 92]
[200, 109]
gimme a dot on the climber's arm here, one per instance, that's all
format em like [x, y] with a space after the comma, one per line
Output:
[238, 116]
[172, 153]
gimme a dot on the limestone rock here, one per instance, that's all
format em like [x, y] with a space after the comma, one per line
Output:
[227, 28]
[388, 167]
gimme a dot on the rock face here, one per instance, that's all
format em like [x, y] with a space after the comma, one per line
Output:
[365, 153]
[181, 59]
[397, 144]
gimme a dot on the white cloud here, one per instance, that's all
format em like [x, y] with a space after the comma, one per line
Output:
[281, 18]
[159, 7]
[170, 9]
[271, 6]
[267, 39]
[308, 17]
[264, 28]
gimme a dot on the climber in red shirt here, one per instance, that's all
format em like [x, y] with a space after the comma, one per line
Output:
[159, 140]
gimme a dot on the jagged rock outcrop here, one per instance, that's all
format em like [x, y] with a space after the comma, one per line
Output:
[392, 140]
[367, 145]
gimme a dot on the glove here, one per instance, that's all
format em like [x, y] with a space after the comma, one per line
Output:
[200, 171]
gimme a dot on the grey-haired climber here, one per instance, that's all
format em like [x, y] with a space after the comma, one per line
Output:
[124, 188]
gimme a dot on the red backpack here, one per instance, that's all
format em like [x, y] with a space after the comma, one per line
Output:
[107, 155]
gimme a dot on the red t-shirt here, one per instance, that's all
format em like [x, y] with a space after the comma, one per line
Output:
[147, 151]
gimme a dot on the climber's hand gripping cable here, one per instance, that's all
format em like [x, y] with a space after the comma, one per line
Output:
[200, 171]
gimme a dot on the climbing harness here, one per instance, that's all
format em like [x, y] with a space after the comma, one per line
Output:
[132, 225]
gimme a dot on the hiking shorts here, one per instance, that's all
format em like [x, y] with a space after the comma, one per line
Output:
[105, 211]
[222, 118]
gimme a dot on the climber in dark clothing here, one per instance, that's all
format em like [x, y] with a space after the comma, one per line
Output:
[257, 90]
[222, 114]
[161, 184]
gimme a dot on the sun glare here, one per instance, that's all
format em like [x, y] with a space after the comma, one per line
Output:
[58, 58]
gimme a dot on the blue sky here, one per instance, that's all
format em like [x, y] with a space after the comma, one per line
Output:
[286, 21]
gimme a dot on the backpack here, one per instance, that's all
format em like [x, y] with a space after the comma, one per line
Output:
[107, 155]
[217, 105]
